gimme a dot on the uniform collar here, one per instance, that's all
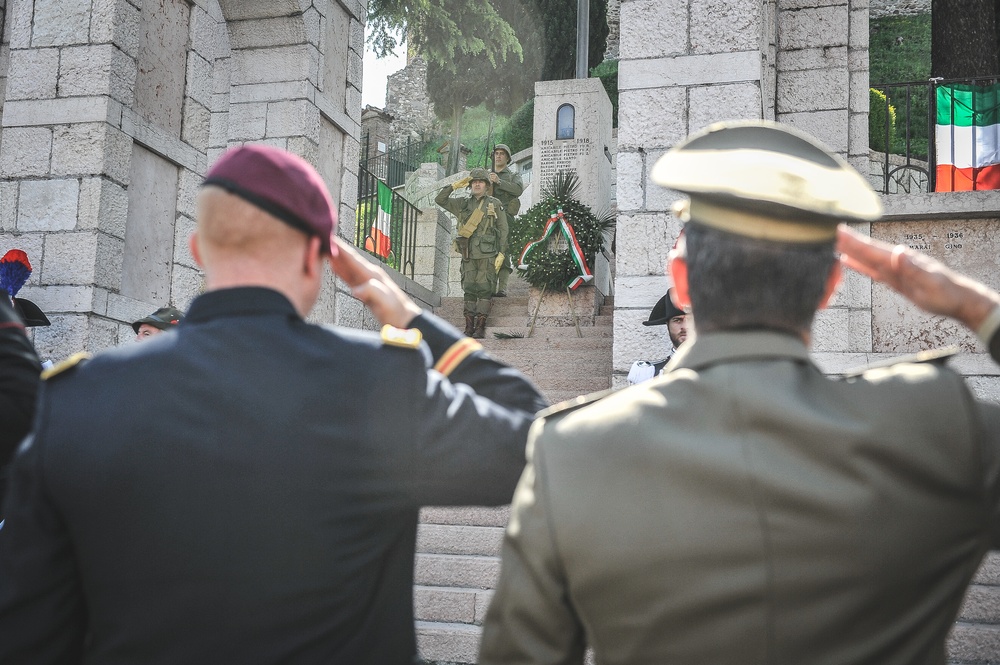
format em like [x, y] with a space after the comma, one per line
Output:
[725, 347]
[239, 301]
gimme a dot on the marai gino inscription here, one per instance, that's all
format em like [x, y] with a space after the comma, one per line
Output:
[927, 242]
[969, 246]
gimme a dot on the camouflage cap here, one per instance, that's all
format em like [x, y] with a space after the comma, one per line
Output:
[479, 174]
[163, 319]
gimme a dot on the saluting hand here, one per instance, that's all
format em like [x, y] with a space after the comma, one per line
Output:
[927, 283]
[373, 286]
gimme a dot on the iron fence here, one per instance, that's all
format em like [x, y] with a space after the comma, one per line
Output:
[904, 135]
[392, 165]
[386, 229]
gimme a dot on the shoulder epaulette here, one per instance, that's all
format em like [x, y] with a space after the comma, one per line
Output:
[406, 338]
[934, 356]
[573, 404]
[455, 354]
[65, 365]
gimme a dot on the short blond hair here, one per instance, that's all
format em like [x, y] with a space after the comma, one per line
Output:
[228, 224]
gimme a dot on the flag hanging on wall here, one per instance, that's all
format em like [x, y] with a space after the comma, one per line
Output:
[967, 137]
[379, 242]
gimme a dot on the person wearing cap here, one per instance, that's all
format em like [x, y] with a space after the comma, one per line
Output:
[246, 490]
[481, 237]
[507, 187]
[746, 508]
[163, 319]
[664, 313]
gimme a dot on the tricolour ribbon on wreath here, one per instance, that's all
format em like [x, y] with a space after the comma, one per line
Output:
[558, 220]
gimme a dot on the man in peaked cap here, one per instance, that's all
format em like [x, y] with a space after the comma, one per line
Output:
[257, 502]
[664, 313]
[481, 236]
[745, 508]
[159, 321]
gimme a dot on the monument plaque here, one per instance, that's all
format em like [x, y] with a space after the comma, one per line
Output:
[968, 246]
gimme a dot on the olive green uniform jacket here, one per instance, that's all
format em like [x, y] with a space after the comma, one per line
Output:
[745, 508]
[490, 236]
[508, 190]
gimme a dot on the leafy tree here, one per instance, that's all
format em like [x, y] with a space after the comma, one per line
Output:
[469, 79]
[558, 18]
[441, 29]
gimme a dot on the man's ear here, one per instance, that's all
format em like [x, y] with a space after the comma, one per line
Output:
[312, 260]
[195, 252]
[832, 282]
[678, 270]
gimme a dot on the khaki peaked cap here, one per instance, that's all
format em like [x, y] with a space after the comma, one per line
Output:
[765, 180]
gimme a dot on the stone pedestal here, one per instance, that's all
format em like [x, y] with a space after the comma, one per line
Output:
[587, 151]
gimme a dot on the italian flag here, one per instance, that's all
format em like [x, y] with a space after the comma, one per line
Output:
[378, 242]
[967, 137]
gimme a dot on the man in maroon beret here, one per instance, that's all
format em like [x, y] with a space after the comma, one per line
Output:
[257, 502]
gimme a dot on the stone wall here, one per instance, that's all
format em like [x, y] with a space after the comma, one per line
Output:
[112, 113]
[880, 8]
[406, 99]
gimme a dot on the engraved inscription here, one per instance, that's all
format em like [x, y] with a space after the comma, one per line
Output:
[555, 156]
[968, 246]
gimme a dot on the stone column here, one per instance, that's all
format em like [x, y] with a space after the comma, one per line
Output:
[683, 65]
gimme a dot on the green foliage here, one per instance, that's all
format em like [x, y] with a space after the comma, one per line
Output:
[546, 267]
[517, 131]
[558, 21]
[877, 118]
[893, 62]
[906, 60]
[442, 29]
[607, 71]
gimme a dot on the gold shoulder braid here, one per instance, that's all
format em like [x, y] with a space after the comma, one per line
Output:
[406, 338]
[65, 365]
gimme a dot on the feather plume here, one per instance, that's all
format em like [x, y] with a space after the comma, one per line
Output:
[15, 269]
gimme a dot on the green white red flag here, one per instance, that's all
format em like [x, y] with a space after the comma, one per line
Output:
[967, 137]
[379, 241]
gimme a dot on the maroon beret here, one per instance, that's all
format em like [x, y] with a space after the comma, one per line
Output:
[281, 184]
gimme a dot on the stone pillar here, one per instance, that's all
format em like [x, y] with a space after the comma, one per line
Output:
[683, 65]
[433, 229]
[587, 151]
[74, 112]
[112, 114]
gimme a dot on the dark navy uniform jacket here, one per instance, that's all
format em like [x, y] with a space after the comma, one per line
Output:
[245, 489]
[19, 372]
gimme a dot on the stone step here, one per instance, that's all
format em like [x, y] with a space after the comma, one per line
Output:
[459, 539]
[450, 604]
[466, 515]
[517, 322]
[456, 570]
[557, 396]
[549, 331]
[457, 643]
[448, 642]
[581, 385]
[592, 369]
[541, 342]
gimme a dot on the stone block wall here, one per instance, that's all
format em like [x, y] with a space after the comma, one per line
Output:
[686, 65]
[112, 113]
[682, 66]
